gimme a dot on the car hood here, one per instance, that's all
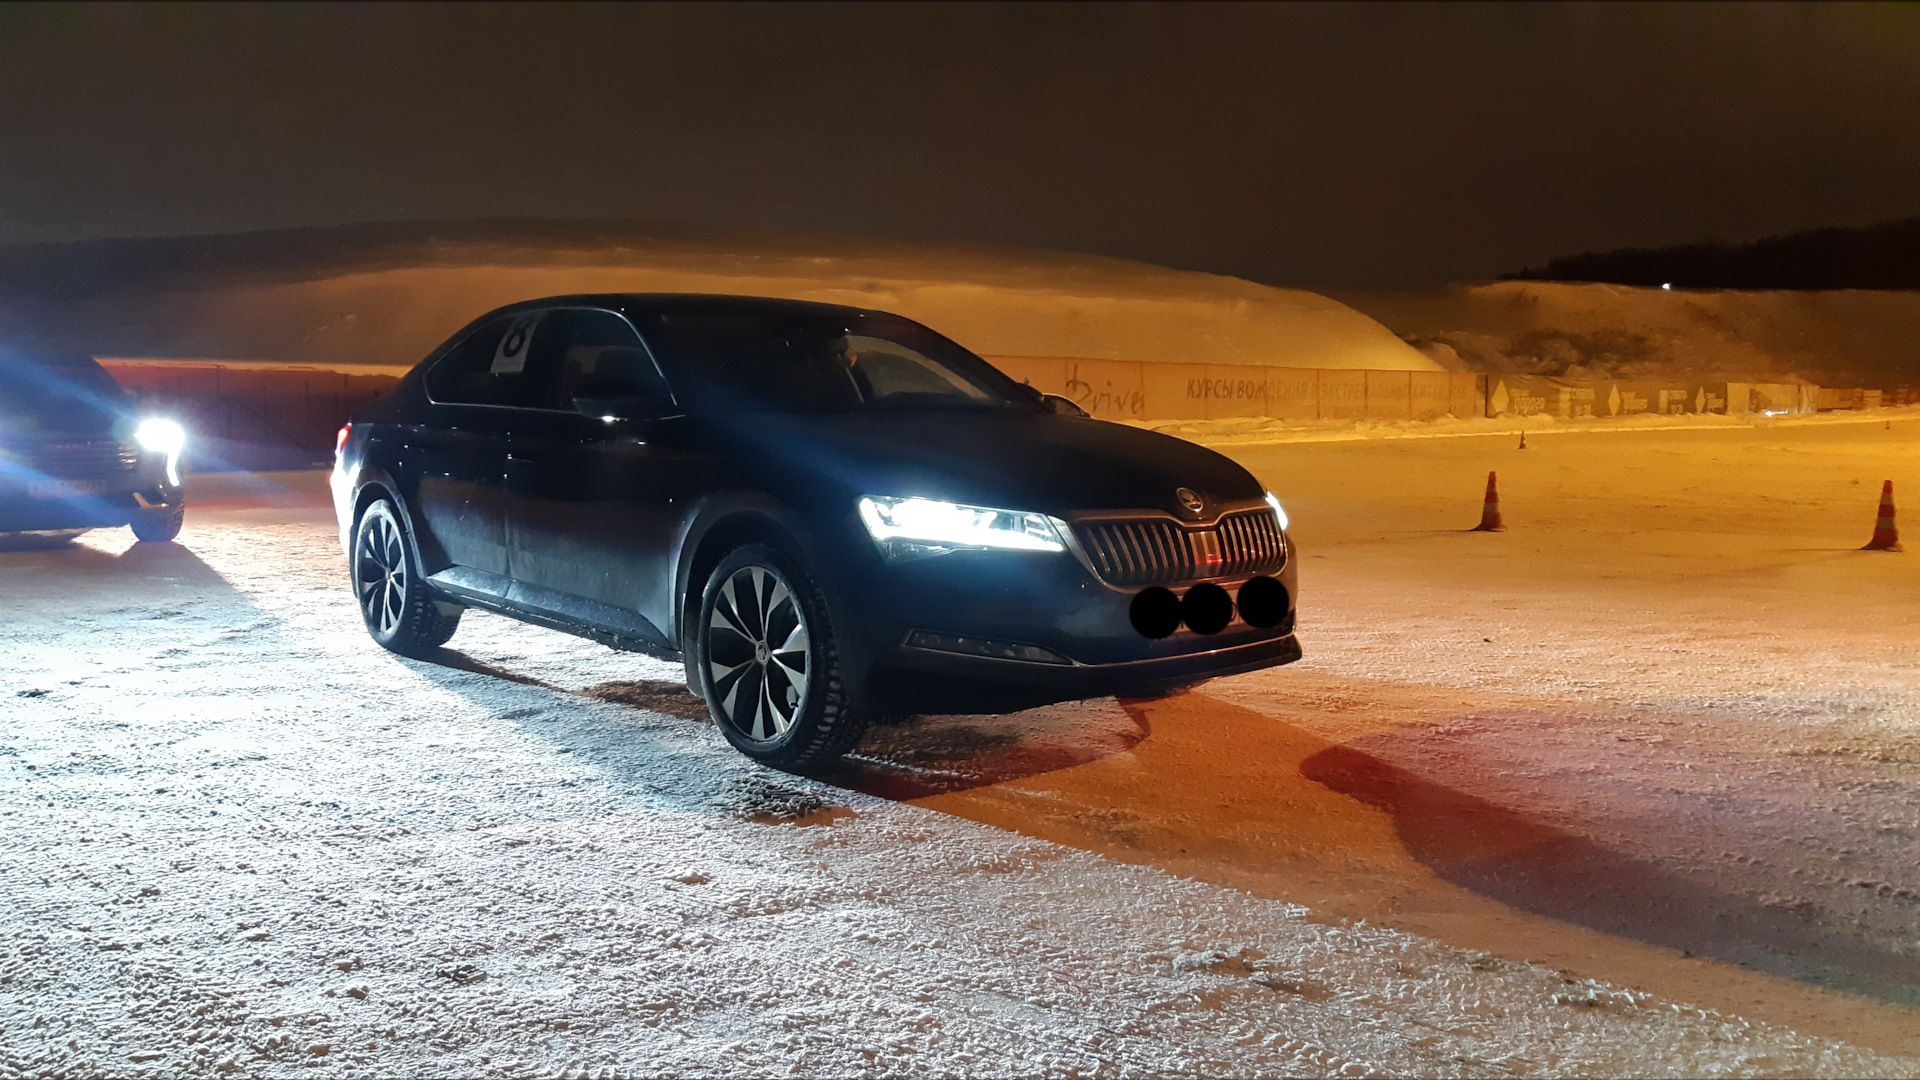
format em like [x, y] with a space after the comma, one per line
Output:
[23, 427]
[1044, 463]
[29, 415]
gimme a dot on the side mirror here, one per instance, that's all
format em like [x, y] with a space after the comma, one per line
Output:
[1061, 406]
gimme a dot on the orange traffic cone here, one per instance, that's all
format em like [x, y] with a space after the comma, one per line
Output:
[1885, 536]
[1523, 440]
[1490, 513]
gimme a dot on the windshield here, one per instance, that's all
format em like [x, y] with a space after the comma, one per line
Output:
[721, 362]
[62, 393]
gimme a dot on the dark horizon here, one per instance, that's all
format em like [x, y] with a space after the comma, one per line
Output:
[1884, 256]
[1366, 146]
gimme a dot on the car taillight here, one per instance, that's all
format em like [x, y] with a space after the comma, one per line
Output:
[340, 440]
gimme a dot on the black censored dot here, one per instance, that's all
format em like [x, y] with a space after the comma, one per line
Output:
[1207, 608]
[1263, 602]
[1156, 612]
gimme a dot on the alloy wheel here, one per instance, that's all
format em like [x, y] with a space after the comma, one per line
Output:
[757, 653]
[380, 570]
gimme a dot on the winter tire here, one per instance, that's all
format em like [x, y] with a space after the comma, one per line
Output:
[159, 524]
[766, 663]
[394, 599]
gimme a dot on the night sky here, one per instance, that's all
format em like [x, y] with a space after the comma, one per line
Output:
[1364, 146]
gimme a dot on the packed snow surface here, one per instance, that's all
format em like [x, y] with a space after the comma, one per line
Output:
[1629, 789]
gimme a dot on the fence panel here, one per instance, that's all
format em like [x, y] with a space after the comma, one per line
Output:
[1343, 394]
[1174, 391]
[1389, 395]
[260, 415]
[1428, 394]
[1235, 390]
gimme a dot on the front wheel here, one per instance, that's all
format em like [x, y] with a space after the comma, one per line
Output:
[159, 524]
[766, 664]
[399, 612]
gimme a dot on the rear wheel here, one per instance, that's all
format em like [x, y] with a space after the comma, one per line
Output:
[766, 664]
[394, 600]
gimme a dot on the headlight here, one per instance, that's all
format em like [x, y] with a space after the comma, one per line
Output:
[163, 437]
[160, 436]
[930, 527]
[1278, 510]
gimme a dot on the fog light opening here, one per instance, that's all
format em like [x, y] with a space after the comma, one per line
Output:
[1155, 612]
[1263, 603]
[1207, 608]
[975, 646]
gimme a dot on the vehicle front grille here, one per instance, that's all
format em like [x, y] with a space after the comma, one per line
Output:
[92, 460]
[1162, 552]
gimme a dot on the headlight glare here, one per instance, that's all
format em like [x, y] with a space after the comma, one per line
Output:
[932, 524]
[160, 436]
[1278, 510]
[157, 436]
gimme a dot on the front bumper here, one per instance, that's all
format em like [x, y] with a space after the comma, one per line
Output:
[915, 680]
[1001, 631]
[107, 504]
[106, 511]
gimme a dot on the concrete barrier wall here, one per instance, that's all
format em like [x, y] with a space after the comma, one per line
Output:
[1135, 390]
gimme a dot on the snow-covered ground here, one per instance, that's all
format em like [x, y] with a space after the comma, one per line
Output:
[1627, 789]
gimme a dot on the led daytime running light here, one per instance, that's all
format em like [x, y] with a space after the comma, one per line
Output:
[945, 524]
[1278, 510]
[158, 436]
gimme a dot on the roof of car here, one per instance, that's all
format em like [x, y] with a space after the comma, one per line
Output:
[651, 304]
[706, 303]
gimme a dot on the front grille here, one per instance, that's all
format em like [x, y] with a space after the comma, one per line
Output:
[1161, 552]
[93, 460]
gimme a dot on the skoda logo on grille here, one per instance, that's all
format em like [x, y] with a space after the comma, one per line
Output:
[1190, 499]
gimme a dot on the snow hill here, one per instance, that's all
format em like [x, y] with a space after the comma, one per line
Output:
[387, 293]
[1852, 337]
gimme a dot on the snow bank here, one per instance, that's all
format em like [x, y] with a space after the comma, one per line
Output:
[389, 303]
[1843, 338]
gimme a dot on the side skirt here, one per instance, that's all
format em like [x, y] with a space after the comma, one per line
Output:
[613, 627]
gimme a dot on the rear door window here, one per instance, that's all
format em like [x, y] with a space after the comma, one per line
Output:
[489, 366]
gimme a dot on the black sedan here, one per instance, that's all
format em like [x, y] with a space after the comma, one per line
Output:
[76, 453]
[829, 514]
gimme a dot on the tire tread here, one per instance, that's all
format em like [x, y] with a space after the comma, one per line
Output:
[423, 626]
[840, 724]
